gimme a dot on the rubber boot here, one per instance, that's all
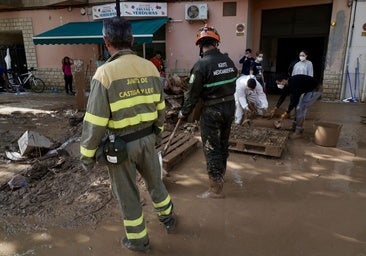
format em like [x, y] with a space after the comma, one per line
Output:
[140, 248]
[170, 224]
[293, 127]
[214, 191]
[297, 134]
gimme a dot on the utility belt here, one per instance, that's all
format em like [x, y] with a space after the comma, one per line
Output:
[113, 149]
[137, 135]
[219, 100]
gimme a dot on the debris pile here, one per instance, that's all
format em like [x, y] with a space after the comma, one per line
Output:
[49, 183]
[174, 89]
[175, 84]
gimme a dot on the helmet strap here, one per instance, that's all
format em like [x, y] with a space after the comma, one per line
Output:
[201, 51]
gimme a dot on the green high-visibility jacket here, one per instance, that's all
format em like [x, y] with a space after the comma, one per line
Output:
[126, 95]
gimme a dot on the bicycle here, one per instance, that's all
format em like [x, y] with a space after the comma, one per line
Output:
[19, 82]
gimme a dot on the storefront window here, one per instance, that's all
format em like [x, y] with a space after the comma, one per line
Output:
[147, 50]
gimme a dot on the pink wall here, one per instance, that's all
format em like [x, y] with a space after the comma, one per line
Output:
[181, 51]
[49, 56]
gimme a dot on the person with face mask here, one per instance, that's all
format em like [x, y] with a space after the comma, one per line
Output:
[256, 69]
[247, 60]
[304, 66]
[303, 91]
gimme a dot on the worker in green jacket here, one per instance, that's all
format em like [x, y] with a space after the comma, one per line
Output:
[126, 102]
[212, 79]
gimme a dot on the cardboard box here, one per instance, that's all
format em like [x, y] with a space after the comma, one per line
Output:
[31, 140]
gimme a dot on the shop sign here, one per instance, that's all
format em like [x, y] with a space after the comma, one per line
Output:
[130, 9]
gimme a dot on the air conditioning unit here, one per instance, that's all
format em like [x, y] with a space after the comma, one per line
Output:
[196, 12]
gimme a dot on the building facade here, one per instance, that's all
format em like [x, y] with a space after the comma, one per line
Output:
[330, 30]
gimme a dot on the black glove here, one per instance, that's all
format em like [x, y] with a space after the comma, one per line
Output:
[87, 163]
[158, 139]
[156, 130]
[158, 136]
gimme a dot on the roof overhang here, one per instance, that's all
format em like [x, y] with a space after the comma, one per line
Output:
[91, 32]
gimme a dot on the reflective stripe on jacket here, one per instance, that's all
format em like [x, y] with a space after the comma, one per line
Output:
[212, 77]
[126, 95]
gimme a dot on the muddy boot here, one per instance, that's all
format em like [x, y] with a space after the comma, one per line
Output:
[214, 191]
[140, 248]
[297, 134]
[170, 224]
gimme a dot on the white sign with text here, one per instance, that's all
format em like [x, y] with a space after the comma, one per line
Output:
[130, 9]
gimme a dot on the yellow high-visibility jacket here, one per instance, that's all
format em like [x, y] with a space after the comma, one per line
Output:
[126, 95]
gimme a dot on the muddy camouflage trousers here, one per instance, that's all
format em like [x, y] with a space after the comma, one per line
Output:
[215, 124]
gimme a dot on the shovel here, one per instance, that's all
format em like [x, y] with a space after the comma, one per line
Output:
[163, 172]
[167, 145]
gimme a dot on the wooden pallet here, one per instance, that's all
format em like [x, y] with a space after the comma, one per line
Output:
[258, 140]
[181, 146]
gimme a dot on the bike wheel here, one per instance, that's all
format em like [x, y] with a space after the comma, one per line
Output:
[37, 85]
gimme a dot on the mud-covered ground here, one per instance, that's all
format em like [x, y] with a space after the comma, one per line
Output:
[54, 187]
[309, 201]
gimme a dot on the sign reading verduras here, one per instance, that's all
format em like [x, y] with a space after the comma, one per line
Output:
[130, 9]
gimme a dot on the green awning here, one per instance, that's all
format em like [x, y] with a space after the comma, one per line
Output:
[91, 32]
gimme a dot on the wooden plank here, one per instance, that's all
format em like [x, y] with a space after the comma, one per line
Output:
[177, 143]
[181, 146]
[179, 150]
[179, 153]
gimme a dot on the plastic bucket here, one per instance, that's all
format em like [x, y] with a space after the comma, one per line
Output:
[327, 134]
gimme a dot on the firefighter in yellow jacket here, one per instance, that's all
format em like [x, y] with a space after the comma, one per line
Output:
[126, 103]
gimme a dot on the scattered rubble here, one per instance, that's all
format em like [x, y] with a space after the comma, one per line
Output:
[32, 140]
[52, 185]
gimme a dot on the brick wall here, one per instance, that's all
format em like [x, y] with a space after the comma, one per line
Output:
[24, 25]
[53, 77]
[332, 84]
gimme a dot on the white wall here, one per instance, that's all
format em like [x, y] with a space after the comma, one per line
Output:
[357, 51]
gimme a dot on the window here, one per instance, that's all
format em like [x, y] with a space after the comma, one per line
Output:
[229, 9]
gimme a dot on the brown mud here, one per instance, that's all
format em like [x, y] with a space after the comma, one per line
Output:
[309, 201]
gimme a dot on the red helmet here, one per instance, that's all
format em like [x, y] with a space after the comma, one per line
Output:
[207, 32]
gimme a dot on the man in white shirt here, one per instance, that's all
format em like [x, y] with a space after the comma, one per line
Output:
[249, 98]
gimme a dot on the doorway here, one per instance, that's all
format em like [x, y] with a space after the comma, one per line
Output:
[288, 50]
[13, 40]
[287, 31]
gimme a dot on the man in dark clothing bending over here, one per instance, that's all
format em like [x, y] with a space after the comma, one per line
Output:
[213, 80]
[296, 86]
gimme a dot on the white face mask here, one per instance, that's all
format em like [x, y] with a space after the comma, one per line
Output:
[260, 59]
[280, 86]
[302, 58]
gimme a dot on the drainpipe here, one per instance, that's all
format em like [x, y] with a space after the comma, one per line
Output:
[118, 8]
[349, 45]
